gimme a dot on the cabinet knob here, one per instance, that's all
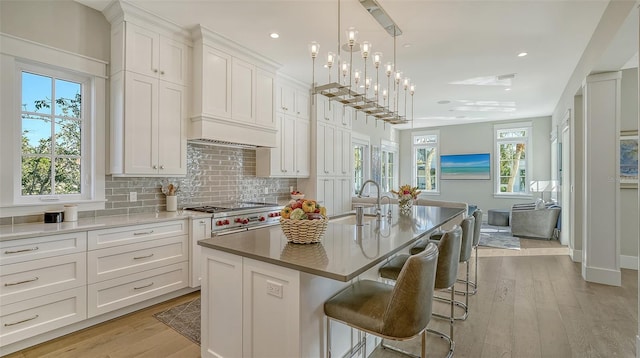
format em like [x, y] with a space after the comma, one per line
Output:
[155, 70]
[162, 167]
[162, 72]
[202, 222]
[155, 167]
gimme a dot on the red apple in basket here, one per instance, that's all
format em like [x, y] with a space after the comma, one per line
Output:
[314, 216]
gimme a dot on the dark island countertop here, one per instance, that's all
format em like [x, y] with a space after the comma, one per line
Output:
[345, 250]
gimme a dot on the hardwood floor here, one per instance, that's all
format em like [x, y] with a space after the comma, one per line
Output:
[527, 306]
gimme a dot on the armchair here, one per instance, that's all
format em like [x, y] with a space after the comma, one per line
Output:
[529, 221]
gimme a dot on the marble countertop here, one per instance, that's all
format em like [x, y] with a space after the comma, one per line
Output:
[345, 251]
[22, 231]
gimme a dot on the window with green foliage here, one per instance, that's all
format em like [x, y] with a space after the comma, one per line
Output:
[51, 126]
[361, 163]
[425, 162]
[513, 148]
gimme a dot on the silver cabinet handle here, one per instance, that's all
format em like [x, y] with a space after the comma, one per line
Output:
[20, 282]
[203, 222]
[22, 250]
[162, 167]
[155, 167]
[142, 257]
[143, 232]
[145, 286]
[162, 72]
[155, 70]
[23, 321]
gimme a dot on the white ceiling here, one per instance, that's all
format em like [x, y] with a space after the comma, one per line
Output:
[448, 41]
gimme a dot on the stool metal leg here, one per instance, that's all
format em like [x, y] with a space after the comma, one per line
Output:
[328, 337]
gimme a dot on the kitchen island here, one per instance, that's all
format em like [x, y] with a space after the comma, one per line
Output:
[263, 296]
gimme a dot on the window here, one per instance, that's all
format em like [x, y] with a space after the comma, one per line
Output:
[513, 147]
[53, 128]
[52, 117]
[389, 166]
[425, 161]
[360, 163]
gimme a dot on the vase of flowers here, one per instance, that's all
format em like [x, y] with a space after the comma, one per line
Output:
[406, 195]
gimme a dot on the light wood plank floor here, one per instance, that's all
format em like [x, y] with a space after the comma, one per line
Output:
[527, 306]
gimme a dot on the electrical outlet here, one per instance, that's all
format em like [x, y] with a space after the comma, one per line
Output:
[133, 196]
[274, 289]
[266, 190]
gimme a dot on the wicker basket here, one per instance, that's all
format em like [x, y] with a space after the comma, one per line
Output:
[310, 255]
[303, 231]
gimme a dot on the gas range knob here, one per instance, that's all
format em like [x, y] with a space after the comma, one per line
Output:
[272, 215]
[226, 222]
[238, 220]
[262, 218]
[245, 221]
[219, 223]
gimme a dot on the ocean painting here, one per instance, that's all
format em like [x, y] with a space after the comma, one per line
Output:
[629, 159]
[465, 166]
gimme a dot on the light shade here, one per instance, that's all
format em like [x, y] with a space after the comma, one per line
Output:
[314, 48]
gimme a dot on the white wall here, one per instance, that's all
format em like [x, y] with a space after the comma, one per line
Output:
[376, 133]
[479, 138]
[63, 24]
[629, 196]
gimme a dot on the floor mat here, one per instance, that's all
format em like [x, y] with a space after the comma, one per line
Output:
[184, 318]
[499, 237]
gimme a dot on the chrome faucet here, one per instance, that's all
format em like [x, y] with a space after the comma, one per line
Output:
[378, 211]
[389, 205]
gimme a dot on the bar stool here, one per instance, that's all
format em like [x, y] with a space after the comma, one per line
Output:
[476, 240]
[399, 312]
[446, 273]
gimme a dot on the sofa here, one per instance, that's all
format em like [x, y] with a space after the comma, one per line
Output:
[537, 221]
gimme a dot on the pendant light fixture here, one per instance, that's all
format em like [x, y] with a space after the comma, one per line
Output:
[348, 91]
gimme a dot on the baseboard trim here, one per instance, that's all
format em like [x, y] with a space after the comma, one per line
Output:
[602, 275]
[576, 255]
[629, 262]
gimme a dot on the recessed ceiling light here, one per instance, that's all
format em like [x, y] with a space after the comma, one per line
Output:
[274, 35]
[507, 89]
[406, 45]
[444, 102]
[522, 54]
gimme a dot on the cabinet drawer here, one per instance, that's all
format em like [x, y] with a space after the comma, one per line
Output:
[29, 318]
[129, 234]
[29, 279]
[118, 261]
[120, 292]
[14, 251]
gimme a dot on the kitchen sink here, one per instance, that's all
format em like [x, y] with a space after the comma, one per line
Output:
[350, 219]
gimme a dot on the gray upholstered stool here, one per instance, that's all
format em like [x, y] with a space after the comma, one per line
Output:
[476, 240]
[397, 312]
[446, 273]
[498, 217]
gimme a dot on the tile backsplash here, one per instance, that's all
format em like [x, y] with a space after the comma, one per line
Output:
[214, 174]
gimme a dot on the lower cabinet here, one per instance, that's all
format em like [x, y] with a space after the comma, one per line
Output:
[30, 317]
[335, 194]
[200, 229]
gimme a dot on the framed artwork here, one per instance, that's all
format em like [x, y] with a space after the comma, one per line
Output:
[629, 159]
[465, 166]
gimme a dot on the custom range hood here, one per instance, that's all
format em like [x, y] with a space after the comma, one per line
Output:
[233, 93]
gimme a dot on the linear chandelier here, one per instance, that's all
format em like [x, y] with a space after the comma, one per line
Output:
[375, 100]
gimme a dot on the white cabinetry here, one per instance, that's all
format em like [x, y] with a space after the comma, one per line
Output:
[290, 157]
[131, 264]
[43, 284]
[148, 100]
[233, 92]
[200, 229]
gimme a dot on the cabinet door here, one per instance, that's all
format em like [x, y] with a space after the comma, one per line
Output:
[173, 61]
[345, 145]
[327, 114]
[326, 194]
[216, 83]
[200, 230]
[325, 149]
[285, 99]
[172, 136]
[142, 49]
[346, 116]
[302, 151]
[243, 91]
[288, 146]
[141, 129]
[343, 196]
[302, 104]
[265, 99]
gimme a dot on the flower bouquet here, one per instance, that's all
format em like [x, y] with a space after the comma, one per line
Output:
[406, 195]
[303, 221]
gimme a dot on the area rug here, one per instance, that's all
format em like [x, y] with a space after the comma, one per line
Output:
[499, 237]
[184, 319]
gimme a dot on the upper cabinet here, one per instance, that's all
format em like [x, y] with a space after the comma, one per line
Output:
[293, 101]
[149, 78]
[149, 53]
[233, 92]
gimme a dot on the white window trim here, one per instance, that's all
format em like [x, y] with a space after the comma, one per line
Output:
[496, 161]
[392, 147]
[15, 53]
[361, 139]
[414, 182]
